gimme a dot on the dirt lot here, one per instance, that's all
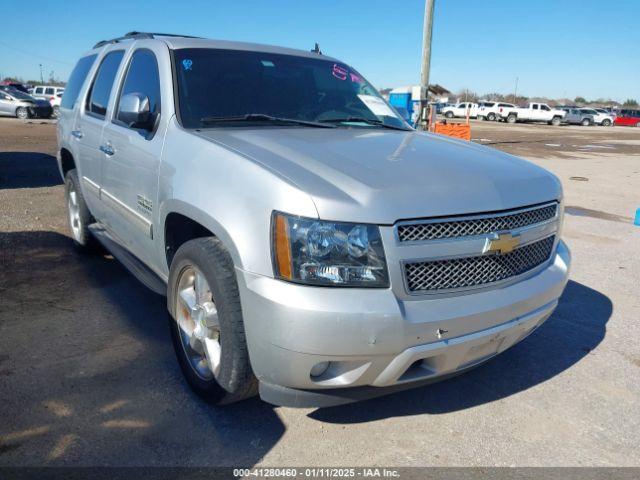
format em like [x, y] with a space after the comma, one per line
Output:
[88, 376]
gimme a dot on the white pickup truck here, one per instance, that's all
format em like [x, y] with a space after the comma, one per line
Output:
[535, 112]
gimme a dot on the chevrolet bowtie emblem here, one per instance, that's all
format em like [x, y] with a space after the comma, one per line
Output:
[505, 243]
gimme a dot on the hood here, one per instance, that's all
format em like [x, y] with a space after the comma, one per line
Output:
[381, 176]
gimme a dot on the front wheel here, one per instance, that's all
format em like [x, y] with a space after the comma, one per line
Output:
[491, 117]
[555, 121]
[585, 122]
[449, 114]
[22, 113]
[606, 122]
[512, 118]
[56, 112]
[207, 327]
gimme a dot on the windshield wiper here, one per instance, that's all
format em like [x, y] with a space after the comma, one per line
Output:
[263, 117]
[369, 121]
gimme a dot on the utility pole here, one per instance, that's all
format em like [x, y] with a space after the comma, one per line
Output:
[515, 91]
[427, 31]
[41, 76]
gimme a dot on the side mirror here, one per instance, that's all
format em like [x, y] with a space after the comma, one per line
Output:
[134, 111]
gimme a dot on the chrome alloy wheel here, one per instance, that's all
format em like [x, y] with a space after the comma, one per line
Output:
[197, 318]
[74, 213]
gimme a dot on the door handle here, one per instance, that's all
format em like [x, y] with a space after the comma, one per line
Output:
[107, 149]
[77, 133]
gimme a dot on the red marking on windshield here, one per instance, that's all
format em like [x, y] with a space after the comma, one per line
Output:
[339, 72]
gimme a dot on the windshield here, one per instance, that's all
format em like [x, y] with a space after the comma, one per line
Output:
[19, 95]
[216, 84]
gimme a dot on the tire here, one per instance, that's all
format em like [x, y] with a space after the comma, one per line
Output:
[79, 215]
[606, 122]
[56, 112]
[22, 113]
[480, 118]
[555, 121]
[512, 118]
[491, 117]
[232, 379]
[638, 124]
[585, 122]
[449, 114]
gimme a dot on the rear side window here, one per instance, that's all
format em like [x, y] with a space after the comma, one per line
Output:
[76, 80]
[49, 91]
[103, 84]
[143, 78]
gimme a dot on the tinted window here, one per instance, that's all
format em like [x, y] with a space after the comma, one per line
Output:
[49, 91]
[103, 83]
[39, 90]
[142, 77]
[76, 80]
[215, 85]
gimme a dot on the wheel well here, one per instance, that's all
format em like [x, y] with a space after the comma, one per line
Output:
[66, 161]
[179, 229]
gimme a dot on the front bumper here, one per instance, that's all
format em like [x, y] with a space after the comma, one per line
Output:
[377, 343]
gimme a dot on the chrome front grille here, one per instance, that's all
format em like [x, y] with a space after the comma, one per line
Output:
[437, 275]
[468, 226]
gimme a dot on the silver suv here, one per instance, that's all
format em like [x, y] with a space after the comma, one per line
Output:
[311, 244]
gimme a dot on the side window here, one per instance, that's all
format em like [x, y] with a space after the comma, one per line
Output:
[143, 79]
[98, 98]
[535, 106]
[38, 91]
[545, 108]
[49, 91]
[76, 80]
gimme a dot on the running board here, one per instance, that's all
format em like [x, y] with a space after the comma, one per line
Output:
[132, 263]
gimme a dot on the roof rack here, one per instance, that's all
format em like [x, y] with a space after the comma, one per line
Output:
[139, 35]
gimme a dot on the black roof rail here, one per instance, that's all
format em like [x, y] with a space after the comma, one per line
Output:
[139, 35]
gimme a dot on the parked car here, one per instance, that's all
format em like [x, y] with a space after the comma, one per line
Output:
[577, 116]
[460, 110]
[55, 104]
[252, 186]
[48, 92]
[492, 110]
[628, 117]
[534, 112]
[599, 118]
[19, 104]
[16, 86]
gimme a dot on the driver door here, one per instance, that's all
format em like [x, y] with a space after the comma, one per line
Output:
[133, 152]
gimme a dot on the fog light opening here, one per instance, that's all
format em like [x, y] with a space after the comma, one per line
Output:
[319, 368]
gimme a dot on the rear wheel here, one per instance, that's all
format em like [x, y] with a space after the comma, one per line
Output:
[585, 122]
[449, 114]
[207, 327]
[56, 112]
[22, 113]
[512, 118]
[555, 121]
[79, 215]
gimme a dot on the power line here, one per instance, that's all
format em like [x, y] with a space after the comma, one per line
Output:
[24, 52]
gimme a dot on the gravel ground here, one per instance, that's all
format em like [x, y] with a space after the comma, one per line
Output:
[88, 375]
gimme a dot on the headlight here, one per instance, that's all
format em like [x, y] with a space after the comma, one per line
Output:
[328, 253]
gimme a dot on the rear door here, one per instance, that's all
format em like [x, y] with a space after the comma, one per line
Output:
[88, 125]
[130, 172]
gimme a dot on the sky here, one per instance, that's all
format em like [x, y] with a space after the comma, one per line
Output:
[556, 48]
